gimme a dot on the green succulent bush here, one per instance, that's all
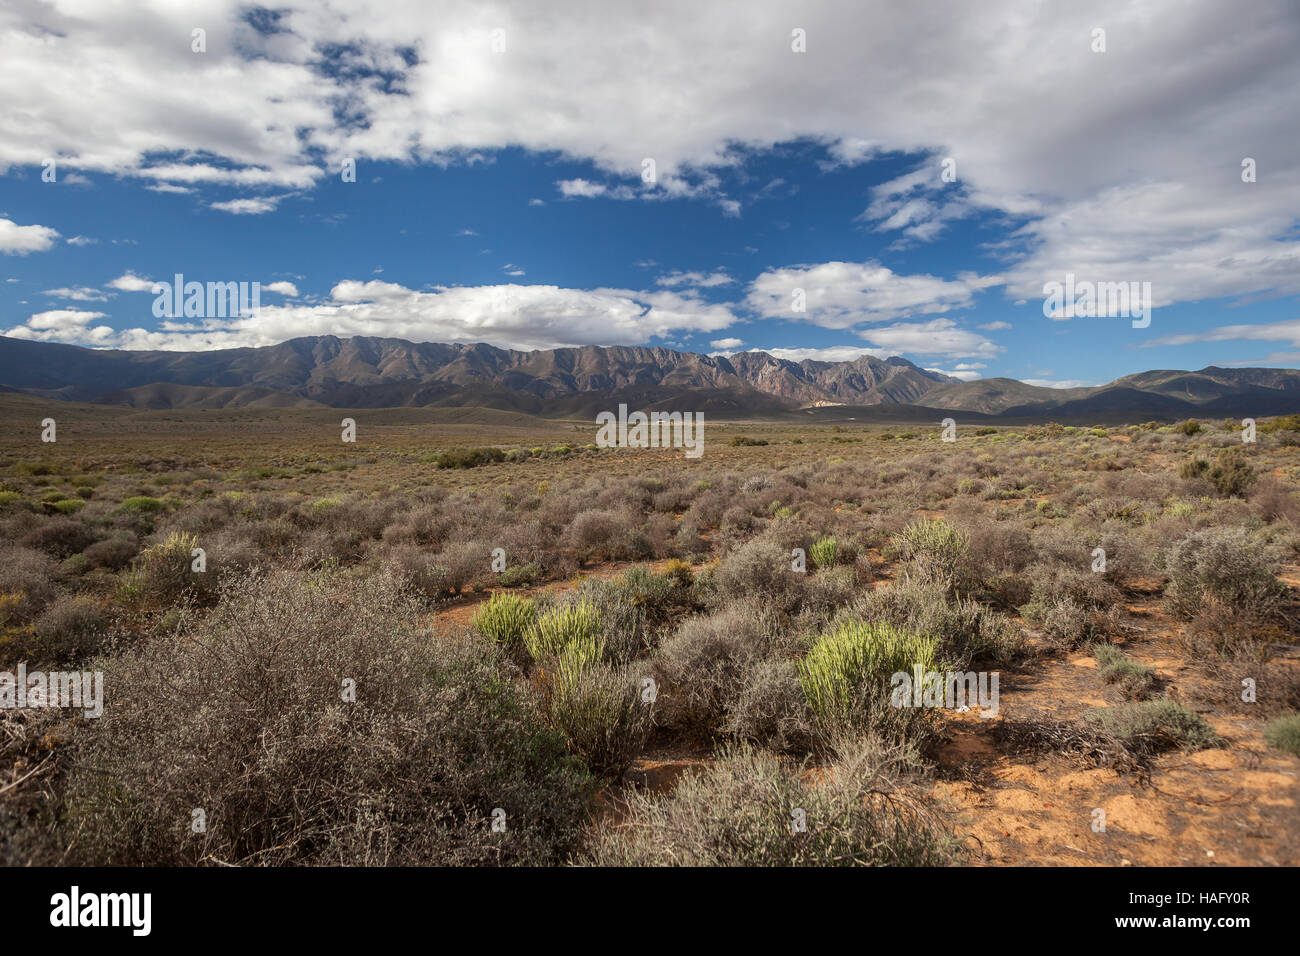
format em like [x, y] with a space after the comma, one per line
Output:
[824, 552]
[560, 626]
[846, 676]
[506, 618]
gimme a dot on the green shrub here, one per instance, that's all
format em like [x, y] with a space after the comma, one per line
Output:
[562, 625]
[846, 676]
[520, 575]
[742, 441]
[1189, 427]
[964, 630]
[506, 618]
[1284, 733]
[823, 552]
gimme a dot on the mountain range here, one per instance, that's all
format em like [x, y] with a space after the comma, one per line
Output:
[368, 372]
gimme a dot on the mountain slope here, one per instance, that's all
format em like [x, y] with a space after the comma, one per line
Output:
[369, 372]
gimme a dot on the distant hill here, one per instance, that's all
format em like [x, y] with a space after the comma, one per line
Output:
[368, 372]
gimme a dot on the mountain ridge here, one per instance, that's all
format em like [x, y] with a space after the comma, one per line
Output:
[374, 372]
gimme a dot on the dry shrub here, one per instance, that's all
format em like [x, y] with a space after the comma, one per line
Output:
[1273, 501]
[59, 536]
[760, 571]
[30, 574]
[112, 553]
[706, 663]
[741, 812]
[73, 629]
[1221, 564]
[243, 714]
[601, 712]
[605, 535]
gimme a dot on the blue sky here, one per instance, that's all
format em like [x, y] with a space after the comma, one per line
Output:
[499, 194]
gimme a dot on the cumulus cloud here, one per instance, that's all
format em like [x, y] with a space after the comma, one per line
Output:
[254, 206]
[1150, 188]
[841, 295]
[282, 288]
[65, 325]
[16, 240]
[833, 353]
[130, 282]
[936, 337]
[78, 294]
[700, 279]
[509, 316]
[727, 344]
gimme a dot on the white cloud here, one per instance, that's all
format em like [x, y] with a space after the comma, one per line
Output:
[937, 337]
[64, 325]
[16, 240]
[1287, 331]
[995, 326]
[700, 279]
[841, 295]
[725, 344]
[130, 282]
[1058, 383]
[82, 241]
[965, 375]
[78, 294]
[834, 353]
[282, 288]
[1148, 190]
[570, 188]
[509, 316]
[255, 206]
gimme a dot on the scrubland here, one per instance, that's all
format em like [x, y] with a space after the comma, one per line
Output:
[485, 641]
